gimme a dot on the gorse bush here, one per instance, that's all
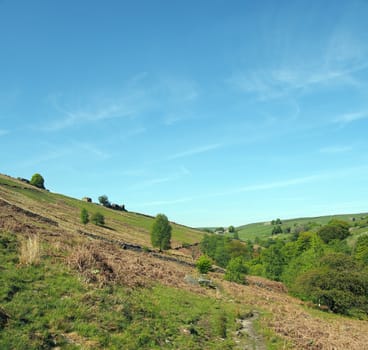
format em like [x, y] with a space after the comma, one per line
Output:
[204, 264]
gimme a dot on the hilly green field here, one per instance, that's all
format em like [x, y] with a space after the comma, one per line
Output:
[262, 230]
[132, 227]
[68, 285]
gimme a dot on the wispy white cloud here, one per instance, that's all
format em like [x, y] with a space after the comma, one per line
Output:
[275, 83]
[351, 117]
[4, 132]
[78, 117]
[92, 149]
[138, 94]
[344, 54]
[195, 151]
[267, 186]
[270, 185]
[336, 149]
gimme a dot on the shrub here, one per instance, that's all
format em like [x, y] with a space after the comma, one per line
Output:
[84, 216]
[204, 264]
[236, 270]
[98, 219]
[38, 181]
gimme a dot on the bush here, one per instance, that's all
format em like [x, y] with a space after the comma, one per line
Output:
[98, 219]
[38, 181]
[236, 270]
[204, 264]
[84, 216]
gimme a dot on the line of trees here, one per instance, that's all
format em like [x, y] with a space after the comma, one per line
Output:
[317, 265]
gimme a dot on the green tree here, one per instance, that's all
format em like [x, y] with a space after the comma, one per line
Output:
[104, 200]
[84, 216]
[204, 264]
[338, 283]
[98, 219]
[361, 249]
[276, 230]
[161, 232]
[231, 229]
[236, 270]
[273, 261]
[38, 181]
[335, 229]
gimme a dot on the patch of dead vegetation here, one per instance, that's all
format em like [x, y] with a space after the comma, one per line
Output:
[103, 263]
[30, 251]
[305, 328]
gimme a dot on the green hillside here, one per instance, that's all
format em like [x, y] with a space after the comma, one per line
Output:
[66, 285]
[264, 229]
[131, 227]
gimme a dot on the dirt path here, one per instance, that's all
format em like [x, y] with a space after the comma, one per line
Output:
[246, 336]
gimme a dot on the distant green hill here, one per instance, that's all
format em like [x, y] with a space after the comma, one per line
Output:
[264, 229]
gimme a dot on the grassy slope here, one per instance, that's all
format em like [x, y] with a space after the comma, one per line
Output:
[143, 302]
[50, 306]
[130, 227]
[264, 229]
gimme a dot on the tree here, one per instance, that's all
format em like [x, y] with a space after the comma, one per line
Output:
[236, 270]
[104, 200]
[361, 249]
[84, 216]
[273, 261]
[231, 229]
[161, 232]
[276, 230]
[38, 181]
[338, 283]
[204, 264]
[335, 229]
[98, 219]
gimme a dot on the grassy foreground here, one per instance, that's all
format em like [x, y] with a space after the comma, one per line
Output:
[50, 306]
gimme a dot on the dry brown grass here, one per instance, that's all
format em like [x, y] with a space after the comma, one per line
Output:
[303, 327]
[30, 251]
[103, 263]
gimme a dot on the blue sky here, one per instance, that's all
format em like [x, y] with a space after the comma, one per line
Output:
[212, 112]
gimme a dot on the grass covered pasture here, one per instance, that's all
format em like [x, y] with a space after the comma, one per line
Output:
[50, 305]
